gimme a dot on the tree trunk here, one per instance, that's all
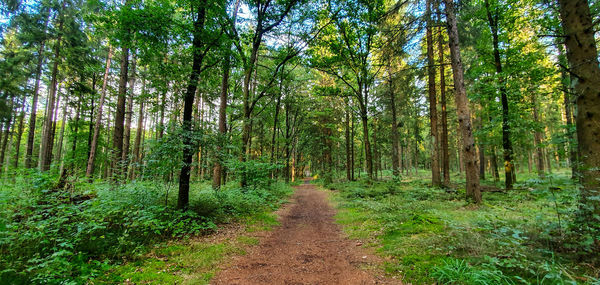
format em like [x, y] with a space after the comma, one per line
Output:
[47, 136]
[481, 161]
[90, 163]
[6, 136]
[462, 108]
[506, 140]
[570, 134]
[128, 116]
[435, 163]
[188, 144]
[395, 143]
[348, 154]
[495, 172]
[119, 126]
[368, 156]
[444, 133]
[537, 139]
[61, 136]
[138, 133]
[352, 145]
[19, 136]
[34, 100]
[376, 167]
[218, 166]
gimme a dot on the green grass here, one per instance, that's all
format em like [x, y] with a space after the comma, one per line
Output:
[190, 261]
[72, 237]
[181, 262]
[429, 234]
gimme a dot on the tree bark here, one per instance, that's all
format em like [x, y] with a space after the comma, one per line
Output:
[19, 136]
[188, 143]
[444, 133]
[218, 166]
[6, 136]
[34, 101]
[582, 56]
[61, 136]
[47, 132]
[435, 163]
[395, 143]
[138, 133]
[537, 138]
[90, 163]
[348, 154]
[125, 157]
[509, 172]
[119, 126]
[462, 107]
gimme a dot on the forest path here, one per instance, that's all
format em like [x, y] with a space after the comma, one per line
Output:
[307, 248]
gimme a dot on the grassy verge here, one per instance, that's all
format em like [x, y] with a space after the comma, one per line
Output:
[76, 235]
[194, 260]
[429, 235]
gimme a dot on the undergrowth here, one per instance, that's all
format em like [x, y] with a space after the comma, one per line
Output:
[524, 236]
[75, 235]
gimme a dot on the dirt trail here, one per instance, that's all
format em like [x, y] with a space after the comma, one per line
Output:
[307, 248]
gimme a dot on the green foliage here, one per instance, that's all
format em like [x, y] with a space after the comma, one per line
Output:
[55, 236]
[456, 271]
[432, 235]
[257, 173]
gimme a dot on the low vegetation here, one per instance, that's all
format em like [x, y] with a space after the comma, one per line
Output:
[74, 236]
[523, 236]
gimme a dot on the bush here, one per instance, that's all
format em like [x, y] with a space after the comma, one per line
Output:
[56, 236]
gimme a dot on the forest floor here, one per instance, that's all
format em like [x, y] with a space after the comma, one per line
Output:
[307, 248]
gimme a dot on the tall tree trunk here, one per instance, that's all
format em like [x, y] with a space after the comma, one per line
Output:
[247, 111]
[119, 127]
[537, 138]
[34, 101]
[509, 172]
[462, 107]
[188, 144]
[368, 155]
[91, 124]
[481, 161]
[348, 154]
[444, 133]
[61, 136]
[161, 124]
[6, 136]
[570, 134]
[47, 135]
[435, 163]
[90, 163]
[125, 157]
[352, 145]
[138, 133]
[19, 135]
[494, 161]
[76, 132]
[395, 143]
[375, 150]
[275, 120]
[218, 167]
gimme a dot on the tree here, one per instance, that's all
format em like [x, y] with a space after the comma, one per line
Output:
[582, 56]
[506, 132]
[462, 107]
[94, 145]
[48, 130]
[435, 162]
